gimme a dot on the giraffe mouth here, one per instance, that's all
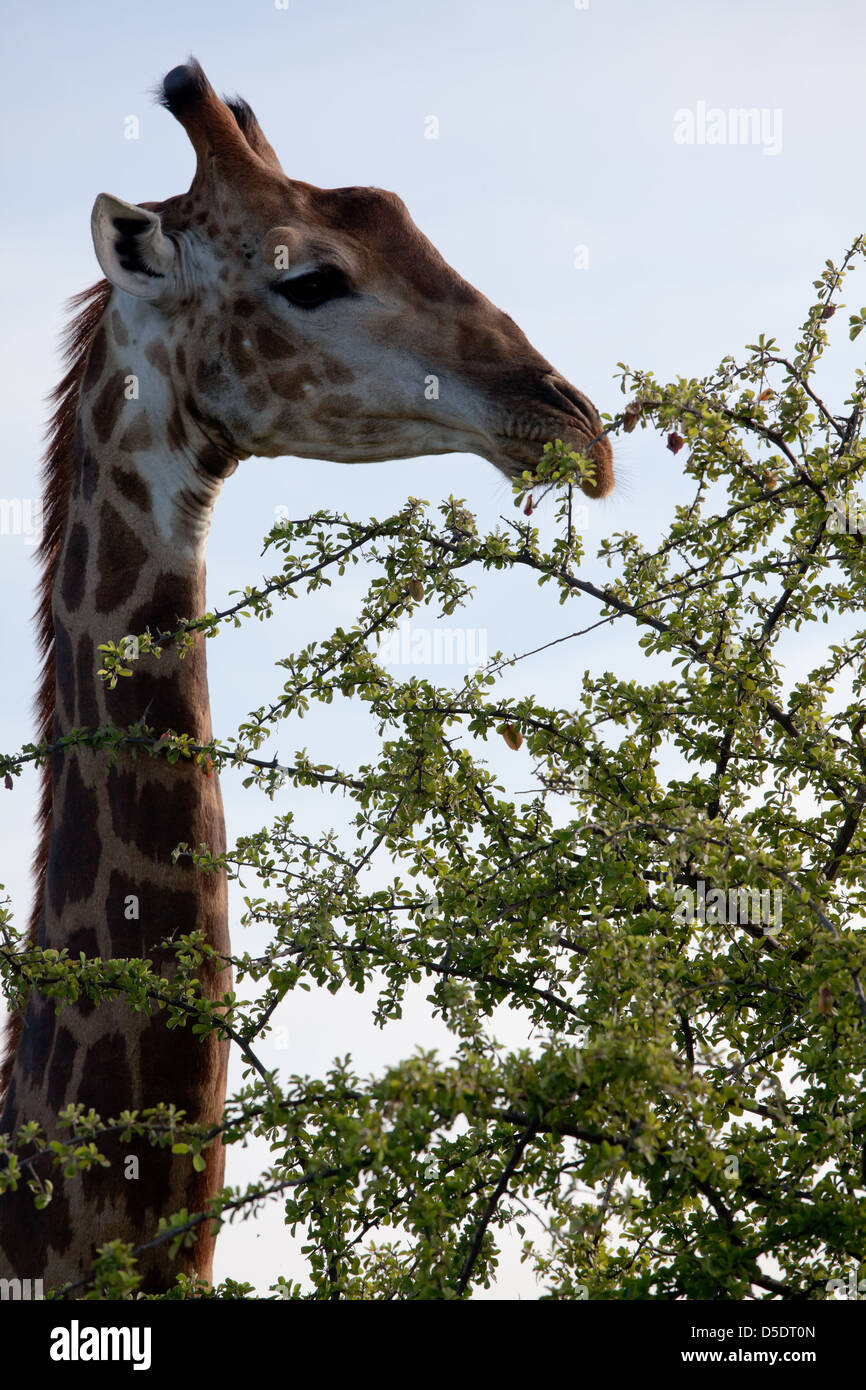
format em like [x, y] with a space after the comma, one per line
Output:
[554, 409]
[517, 454]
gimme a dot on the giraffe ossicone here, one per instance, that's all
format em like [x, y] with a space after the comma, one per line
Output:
[252, 315]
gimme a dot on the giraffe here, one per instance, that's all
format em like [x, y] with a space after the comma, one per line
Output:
[252, 315]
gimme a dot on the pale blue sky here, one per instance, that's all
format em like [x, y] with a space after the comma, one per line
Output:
[556, 129]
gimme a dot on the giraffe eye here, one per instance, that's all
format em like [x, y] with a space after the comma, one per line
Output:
[315, 288]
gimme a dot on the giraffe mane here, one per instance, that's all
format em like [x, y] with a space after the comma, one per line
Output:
[58, 476]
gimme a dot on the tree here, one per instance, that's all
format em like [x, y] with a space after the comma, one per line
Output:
[673, 915]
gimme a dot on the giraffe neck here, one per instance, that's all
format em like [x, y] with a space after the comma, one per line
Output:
[132, 558]
[133, 553]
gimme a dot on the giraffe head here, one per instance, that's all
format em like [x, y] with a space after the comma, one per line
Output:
[321, 323]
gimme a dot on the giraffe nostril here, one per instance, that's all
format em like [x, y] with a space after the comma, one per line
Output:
[568, 397]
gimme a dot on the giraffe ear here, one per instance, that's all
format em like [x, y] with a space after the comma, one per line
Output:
[131, 248]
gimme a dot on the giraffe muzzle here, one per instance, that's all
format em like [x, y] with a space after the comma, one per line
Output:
[554, 409]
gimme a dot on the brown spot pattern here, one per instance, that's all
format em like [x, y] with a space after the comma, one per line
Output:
[121, 557]
[37, 1036]
[88, 715]
[64, 671]
[136, 436]
[73, 857]
[172, 599]
[74, 567]
[118, 328]
[157, 355]
[153, 817]
[60, 1070]
[109, 404]
[272, 346]
[95, 359]
[131, 486]
[106, 1080]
